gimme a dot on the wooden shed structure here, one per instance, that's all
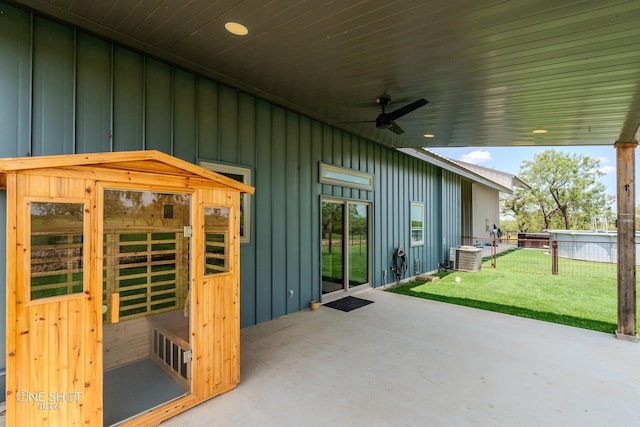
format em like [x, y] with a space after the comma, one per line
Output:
[122, 287]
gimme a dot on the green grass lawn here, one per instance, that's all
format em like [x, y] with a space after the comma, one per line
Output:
[588, 301]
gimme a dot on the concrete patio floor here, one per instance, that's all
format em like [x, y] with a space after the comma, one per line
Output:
[404, 361]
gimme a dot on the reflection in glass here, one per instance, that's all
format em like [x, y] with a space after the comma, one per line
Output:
[216, 240]
[345, 263]
[358, 242]
[56, 249]
[146, 353]
[417, 223]
[332, 247]
[243, 199]
[240, 174]
[145, 251]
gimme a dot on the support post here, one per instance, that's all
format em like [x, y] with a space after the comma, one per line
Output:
[626, 200]
[493, 252]
[554, 257]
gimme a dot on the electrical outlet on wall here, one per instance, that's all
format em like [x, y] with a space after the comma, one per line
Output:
[290, 293]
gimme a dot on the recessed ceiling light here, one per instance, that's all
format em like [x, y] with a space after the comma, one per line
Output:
[540, 131]
[236, 28]
[429, 135]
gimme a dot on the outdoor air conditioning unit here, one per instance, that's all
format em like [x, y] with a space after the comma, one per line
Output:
[465, 258]
[468, 258]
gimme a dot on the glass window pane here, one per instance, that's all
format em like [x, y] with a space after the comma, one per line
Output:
[145, 251]
[417, 224]
[358, 244]
[216, 240]
[57, 254]
[332, 245]
[335, 175]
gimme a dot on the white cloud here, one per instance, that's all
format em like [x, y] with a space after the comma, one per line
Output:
[608, 169]
[476, 157]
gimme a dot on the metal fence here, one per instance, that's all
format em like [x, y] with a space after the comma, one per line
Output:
[584, 258]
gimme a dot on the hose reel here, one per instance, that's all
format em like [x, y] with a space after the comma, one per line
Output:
[399, 263]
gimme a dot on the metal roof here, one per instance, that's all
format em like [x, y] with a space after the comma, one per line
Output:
[453, 166]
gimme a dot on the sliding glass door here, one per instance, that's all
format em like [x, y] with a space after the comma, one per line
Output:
[345, 245]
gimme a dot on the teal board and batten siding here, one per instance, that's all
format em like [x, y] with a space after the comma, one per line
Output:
[64, 91]
[451, 211]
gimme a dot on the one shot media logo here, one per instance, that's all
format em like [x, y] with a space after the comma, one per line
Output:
[52, 400]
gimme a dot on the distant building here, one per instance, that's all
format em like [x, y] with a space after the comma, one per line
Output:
[480, 193]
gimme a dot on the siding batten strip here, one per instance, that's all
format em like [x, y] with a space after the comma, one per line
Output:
[111, 97]
[74, 100]
[31, 79]
[144, 103]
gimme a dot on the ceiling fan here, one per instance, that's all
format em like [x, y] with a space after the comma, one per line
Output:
[387, 120]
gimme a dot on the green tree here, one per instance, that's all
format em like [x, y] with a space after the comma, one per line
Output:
[331, 222]
[522, 207]
[565, 193]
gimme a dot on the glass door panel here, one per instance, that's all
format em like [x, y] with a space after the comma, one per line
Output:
[358, 244]
[146, 340]
[332, 247]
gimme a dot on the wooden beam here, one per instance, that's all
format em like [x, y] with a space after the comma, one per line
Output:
[626, 189]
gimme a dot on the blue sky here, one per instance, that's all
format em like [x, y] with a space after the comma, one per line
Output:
[509, 159]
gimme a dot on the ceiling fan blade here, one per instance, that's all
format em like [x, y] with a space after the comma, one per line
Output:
[396, 129]
[395, 114]
[355, 122]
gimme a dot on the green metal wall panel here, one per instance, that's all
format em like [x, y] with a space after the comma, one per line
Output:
[434, 230]
[15, 83]
[248, 280]
[389, 209]
[247, 151]
[246, 132]
[326, 144]
[306, 227]
[314, 274]
[349, 150]
[128, 100]
[228, 111]
[158, 107]
[380, 269]
[53, 88]
[279, 198]
[450, 211]
[291, 209]
[207, 119]
[263, 208]
[415, 253]
[184, 115]
[93, 118]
